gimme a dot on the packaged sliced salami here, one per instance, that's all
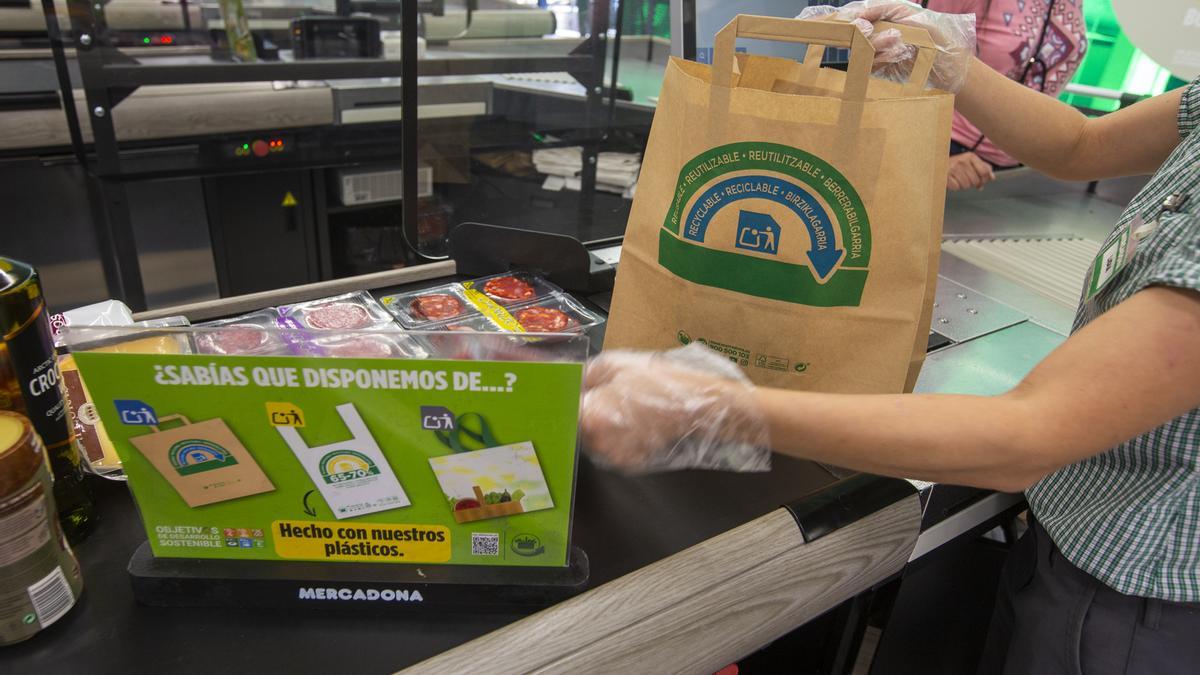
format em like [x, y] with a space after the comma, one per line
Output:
[253, 334]
[371, 346]
[350, 311]
[419, 309]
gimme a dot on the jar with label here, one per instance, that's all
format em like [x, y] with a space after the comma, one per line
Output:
[39, 576]
[29, 384]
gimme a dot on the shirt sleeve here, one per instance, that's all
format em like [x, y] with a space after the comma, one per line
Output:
[1189, 109]
[1179, 267]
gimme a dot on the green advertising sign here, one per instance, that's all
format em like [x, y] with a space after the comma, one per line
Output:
[351, 460]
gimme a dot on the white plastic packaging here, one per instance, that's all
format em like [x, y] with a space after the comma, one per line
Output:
[107, 313]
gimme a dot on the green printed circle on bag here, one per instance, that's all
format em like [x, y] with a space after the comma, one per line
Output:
[340, 466]
[785, 199]
[195, 455]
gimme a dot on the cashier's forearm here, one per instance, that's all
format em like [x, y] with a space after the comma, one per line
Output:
[1132, 369]
[965, 440]
[1054, 138]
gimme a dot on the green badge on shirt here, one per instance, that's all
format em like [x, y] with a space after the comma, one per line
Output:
[1113, 258]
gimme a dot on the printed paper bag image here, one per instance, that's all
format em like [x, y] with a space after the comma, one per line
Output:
[789, 216]
[205, 462]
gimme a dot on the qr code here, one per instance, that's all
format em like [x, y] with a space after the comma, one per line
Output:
[485, 543]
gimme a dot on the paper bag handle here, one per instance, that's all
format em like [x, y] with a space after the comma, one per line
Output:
[170, 418]
[825, 34]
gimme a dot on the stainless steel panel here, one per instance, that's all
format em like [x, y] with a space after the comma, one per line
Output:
[962, 314]
[989, 365]
[374, 100]
[47, 223]
[1039, 309]
[1052, 267]
[1028, 204]
[172, 235]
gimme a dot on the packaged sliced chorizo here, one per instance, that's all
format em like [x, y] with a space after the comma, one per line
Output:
[512, 288]
[558, 313]
[419, 309]
[445, 341]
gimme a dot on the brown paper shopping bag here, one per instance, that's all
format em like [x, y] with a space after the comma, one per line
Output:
[205, 462]
[789, 216]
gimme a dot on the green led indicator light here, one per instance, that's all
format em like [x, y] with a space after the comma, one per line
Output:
[245, 146]
[146, 40]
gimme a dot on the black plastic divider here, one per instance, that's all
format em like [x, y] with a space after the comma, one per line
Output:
[181, 582]
[846, 501]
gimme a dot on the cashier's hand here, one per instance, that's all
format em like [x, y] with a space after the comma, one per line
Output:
[688, 408]
[953, 35]
[967, 170]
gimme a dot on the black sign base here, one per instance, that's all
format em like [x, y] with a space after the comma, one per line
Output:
[176, 582]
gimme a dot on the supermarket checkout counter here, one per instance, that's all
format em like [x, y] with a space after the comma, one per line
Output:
[692, 569]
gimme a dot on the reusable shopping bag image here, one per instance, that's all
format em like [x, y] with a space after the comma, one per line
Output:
[493, 481]
[789, 216]
[205, 462]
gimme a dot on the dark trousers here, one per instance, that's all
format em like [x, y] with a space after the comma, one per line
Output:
[1051, 617]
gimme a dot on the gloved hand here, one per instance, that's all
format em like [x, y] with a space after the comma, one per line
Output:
[687, 408]
[954, 35]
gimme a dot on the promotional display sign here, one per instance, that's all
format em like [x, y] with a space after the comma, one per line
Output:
[347, 460]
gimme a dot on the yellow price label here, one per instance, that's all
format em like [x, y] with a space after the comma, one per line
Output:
[491, 309]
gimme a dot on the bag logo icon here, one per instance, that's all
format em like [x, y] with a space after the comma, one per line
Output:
[782, 194]
[436, 418]
[196, 455]
[136, 413]
[757, 232]
[284, 414]
[340, 466]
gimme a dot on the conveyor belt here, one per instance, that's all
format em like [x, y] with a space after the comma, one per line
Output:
[1052, 267]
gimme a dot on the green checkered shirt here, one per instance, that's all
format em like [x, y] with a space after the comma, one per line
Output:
[1131, 516]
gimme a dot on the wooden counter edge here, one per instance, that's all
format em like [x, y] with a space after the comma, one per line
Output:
[703, 608]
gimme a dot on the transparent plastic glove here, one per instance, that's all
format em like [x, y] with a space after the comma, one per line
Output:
[687, 408]
[954, 35]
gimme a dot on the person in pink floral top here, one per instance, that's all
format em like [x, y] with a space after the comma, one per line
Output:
[1039, 43]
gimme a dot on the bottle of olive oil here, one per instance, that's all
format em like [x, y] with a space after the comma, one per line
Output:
[29, 385]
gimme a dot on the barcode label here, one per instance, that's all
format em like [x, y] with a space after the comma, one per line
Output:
[51, 597]
[485, 543]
